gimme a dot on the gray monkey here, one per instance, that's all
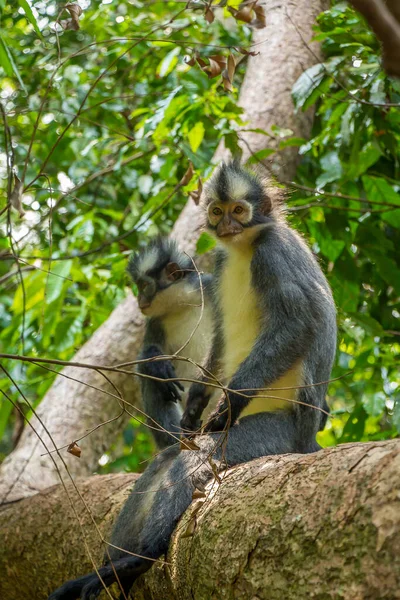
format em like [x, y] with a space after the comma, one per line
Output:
[275, 326]
[177, 301]
[276, 319]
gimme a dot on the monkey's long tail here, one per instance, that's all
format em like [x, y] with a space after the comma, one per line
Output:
[89, 586]
[165, 490]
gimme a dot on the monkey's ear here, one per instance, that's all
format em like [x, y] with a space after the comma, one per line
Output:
[173, 271]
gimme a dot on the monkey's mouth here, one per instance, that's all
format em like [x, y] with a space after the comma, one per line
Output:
[144, 305]
[229, 234]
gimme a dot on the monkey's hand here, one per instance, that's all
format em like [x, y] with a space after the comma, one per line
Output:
[161, 369]
[227, 412]
[198, 399]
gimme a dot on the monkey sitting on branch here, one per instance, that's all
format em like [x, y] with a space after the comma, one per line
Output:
[274, 327]
[176, 299]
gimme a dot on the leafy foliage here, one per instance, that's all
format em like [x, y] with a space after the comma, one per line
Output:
[353, 156]
[103, 125]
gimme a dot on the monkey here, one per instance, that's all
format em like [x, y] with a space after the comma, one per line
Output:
[274, 326]
[277, 319]
[177, 302]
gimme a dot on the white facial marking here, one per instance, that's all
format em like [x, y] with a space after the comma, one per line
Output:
[148, 261]
[238, 187]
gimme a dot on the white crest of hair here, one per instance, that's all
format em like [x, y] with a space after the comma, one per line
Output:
[148, 260]
[238, 187]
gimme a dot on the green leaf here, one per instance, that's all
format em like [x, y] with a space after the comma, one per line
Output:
[364, 159]
[257, 157]
[332, 167]
[292, 142]
[56, 279]
[379, 190]
[69, 329]
[8, 64]
[374, 404]
[353, 431]
[329, 247]
[196, 135]
[205, 243]
[378, 95]
[5, 411]
[308, 81]
[346, 294]
[392, 217]
[168, 62]
[388, 270]
[396, 413]
[369, 324]
[29, 15]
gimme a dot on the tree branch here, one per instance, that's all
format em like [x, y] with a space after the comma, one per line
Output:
[309, 526]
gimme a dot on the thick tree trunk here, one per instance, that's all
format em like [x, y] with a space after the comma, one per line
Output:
[70, 408]
[323, 526]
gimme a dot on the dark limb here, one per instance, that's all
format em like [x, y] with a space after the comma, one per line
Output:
[200, 393]
[90, 586]
[161, 398]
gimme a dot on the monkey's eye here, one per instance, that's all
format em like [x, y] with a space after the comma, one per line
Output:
[216, 211]
[238, 210]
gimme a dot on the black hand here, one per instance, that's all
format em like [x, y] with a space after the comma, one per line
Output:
[190, 421]
[218, 420]
[172, 386]
[162, 369]
[197, 401]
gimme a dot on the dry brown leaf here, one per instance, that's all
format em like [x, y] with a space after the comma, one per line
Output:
[245, 12]
[190, 61]
[198, 494]
[259, 22]
[219, 58]
[228, 73]
[231, 66]
[188, 444]
[190, 529]
[209, 15]
[214, 470]
[214, 68]
[202, 63]
[16, 196]
[74, 449]
[246, 52]
[187, 176]
[73, 23]
[196, 194]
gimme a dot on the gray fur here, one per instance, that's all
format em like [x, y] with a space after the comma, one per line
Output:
[299, 324]
[161, 401]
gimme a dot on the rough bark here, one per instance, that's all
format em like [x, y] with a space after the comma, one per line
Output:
[322, 526]
[70, 408]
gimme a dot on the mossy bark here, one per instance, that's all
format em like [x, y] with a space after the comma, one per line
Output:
[324, 526]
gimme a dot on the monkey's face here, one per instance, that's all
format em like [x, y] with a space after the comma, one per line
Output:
[236, 203]
[154, 289]
[229, 219]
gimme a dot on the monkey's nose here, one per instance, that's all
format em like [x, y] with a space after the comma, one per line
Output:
[143, 304]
